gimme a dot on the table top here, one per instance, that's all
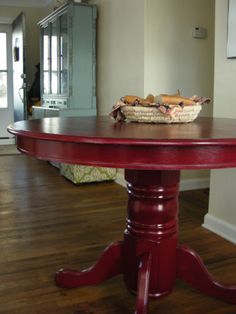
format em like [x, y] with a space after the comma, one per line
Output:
[100, 141]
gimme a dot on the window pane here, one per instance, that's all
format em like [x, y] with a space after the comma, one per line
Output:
[64, 54]
[54, 56]
[3, 90]
[3, 51]
[54, 49]
[45, 49]
[45, 82]
[46, 60]
[54, 82]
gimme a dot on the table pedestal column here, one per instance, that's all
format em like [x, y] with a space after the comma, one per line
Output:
[152, 228]
[149, 257]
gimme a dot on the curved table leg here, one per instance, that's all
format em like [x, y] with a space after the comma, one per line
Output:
[108, 266]
[190, 269]
[149, 257]
[143, 284]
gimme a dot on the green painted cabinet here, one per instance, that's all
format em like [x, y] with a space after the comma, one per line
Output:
[68, 62]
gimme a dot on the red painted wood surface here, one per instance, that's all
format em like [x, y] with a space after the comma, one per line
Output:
[143, 284]
[191, 269]
[108, 266]
[152, 228]
[149, 257]
[204, 144]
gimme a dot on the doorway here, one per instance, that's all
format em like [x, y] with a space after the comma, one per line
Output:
[6, 86]
[13, 84]
[19, 68]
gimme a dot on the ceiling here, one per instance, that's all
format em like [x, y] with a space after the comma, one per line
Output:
[26, 3]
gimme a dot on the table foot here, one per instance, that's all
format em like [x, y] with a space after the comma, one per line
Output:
[190, 269]
[143, 284]
[108, 266]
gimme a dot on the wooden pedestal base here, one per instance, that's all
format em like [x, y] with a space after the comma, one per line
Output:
[149, 257]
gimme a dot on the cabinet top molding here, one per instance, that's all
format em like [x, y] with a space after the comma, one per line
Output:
[26, 3]
[59, 11]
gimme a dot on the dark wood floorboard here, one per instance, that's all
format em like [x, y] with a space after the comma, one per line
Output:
[46, 222]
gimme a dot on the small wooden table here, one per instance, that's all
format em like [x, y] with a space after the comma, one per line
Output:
[149, 257]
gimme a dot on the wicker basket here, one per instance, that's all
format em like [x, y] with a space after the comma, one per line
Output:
[154, 115]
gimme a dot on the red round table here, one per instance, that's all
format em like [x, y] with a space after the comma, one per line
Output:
[150, 257]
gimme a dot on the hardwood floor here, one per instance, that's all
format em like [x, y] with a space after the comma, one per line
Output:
[47, 222]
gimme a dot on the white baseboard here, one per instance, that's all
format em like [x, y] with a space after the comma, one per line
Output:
[194, 184]
[220, 227]
[7, 141]
[185, 185]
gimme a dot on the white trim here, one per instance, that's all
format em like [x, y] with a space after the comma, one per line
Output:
[194, 184]
[7, 141]
[25, 3]
[185, 185]
[220, 227]
[6, 114]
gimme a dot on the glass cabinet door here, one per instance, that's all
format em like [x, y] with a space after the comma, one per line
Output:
[46, 60]
[54, 57]
[63, 54]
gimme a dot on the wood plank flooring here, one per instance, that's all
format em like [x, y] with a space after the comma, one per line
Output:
[46, 222]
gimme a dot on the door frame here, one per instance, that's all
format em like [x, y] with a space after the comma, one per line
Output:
[22, 113]
[8, 113]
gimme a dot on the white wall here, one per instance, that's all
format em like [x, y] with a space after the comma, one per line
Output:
[222, 211]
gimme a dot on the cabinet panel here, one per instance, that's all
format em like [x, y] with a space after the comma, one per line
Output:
[37, 113]
[83, 62]
[68, 61]
[52, 113]
[40, 112]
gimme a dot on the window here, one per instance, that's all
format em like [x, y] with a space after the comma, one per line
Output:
[3, 71]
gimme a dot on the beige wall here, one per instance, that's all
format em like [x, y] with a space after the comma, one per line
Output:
[223, 182]
[120, 53]
[225, 69]
[32, 15]
[173, 58]
[146, 46]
